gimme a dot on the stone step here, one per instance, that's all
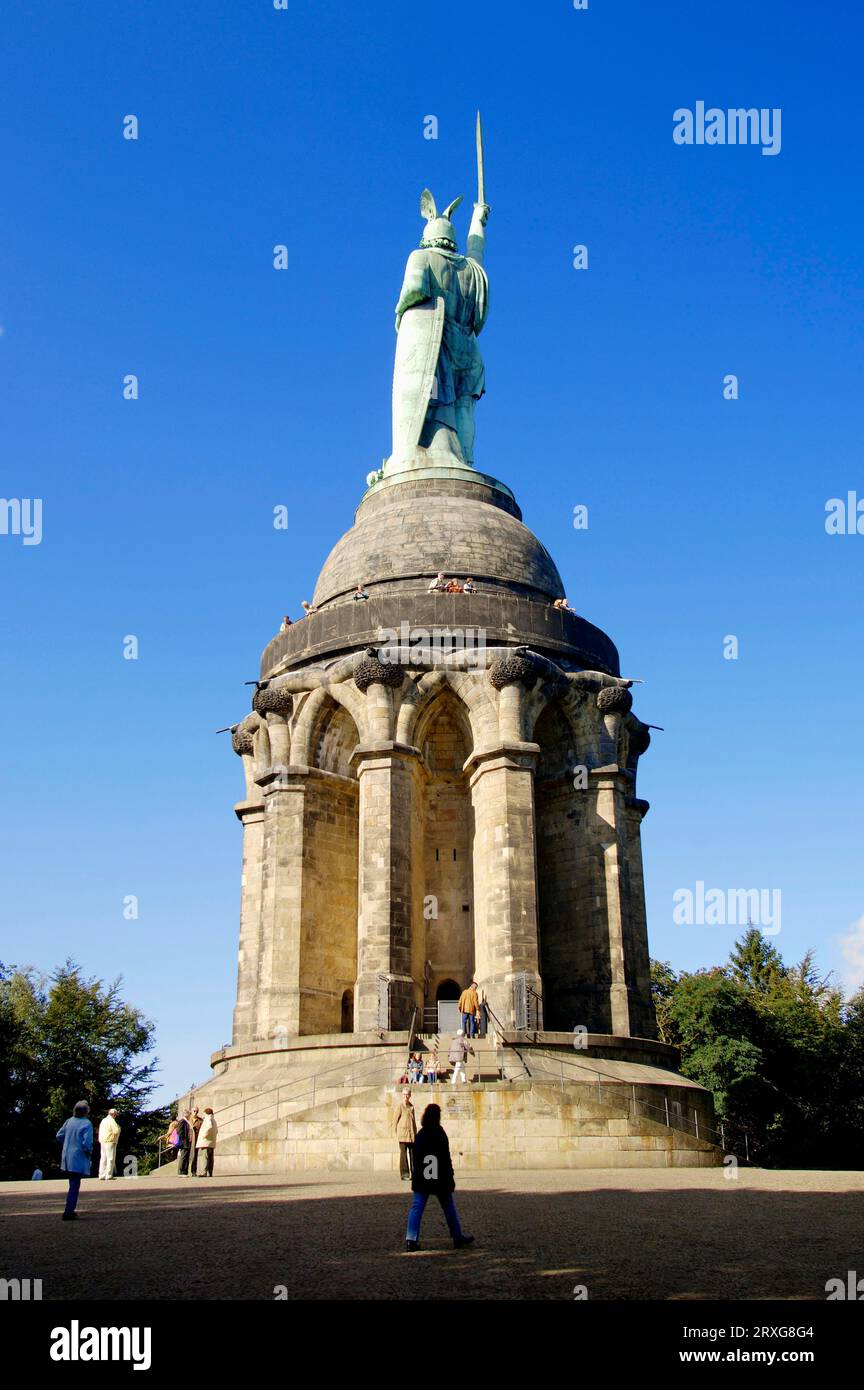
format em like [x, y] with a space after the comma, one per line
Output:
[490, 1126]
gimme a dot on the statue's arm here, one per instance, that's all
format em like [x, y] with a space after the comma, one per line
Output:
[477, 232]
[416, 286]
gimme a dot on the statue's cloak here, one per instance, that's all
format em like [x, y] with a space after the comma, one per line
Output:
[442, 308]
[417, 347]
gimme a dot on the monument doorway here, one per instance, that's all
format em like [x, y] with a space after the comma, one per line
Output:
[348, 1011]
[447, 1001]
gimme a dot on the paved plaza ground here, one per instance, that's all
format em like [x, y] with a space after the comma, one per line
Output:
[657, 1234]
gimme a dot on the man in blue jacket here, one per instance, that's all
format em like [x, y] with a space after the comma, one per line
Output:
[76, 1136]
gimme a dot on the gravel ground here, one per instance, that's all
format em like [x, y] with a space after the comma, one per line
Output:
[657, 1234]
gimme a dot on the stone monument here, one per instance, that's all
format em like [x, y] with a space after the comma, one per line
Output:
[440, 786]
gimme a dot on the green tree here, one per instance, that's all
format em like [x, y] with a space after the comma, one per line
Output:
[63, 1039]
[780, 1048]
[755, 962]
[663, 985]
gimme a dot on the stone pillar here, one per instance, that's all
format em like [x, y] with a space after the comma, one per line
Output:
[505, 873]
[643, 1020]
[278, 1011]
[389, 864]
[245, 1027]
[608, 828]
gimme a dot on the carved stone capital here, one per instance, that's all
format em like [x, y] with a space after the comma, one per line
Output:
[516, 669]
[242, 740]
[369, 669]
[614, 699]
[272, 699]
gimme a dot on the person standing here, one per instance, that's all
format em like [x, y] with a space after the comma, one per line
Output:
[459, 1050]
[184, 1146]
[406, 1132]
[171, 1140]
[195, 1123]
[76, 1136]
[109, 1135]
[207, 1140]
[469, 1006]
[432, 1176]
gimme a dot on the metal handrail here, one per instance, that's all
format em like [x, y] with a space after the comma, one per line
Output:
[634, 1100]
[502, 1032]
[263, 1101]
[411, 1028]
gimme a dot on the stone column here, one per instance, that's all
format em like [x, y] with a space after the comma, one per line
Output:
[643, 1020]
[505, 873]
[389, 864]
[278, 1010]
[608, 829]
[251, 816]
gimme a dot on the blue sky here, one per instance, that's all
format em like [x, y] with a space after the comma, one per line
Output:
[605, 388]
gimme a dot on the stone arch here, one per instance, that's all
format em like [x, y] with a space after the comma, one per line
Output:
[443, 701]
[472, 688]
[469, 689]
[318, 712]
[334, 740]
[415, 698]
[325, 738]
[449, 990]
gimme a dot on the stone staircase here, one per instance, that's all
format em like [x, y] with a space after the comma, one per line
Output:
[491, 1125]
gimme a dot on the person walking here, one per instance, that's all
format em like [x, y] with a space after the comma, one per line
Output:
[109, 1135]
[459, 1050]
[76, 1136]
[195, 1122]
[406, 1132]
[184, 1146]
[207, 1140]
[432, 1176]
[469, 1006]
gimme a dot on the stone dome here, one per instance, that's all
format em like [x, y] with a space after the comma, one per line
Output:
[405, 530]
[408, 531]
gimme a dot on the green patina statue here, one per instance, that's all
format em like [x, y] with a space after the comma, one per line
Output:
[439, 373]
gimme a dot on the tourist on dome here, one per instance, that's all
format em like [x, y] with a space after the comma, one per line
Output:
[360, 595]
[438, 585]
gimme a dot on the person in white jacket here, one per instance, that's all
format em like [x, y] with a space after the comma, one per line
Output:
[109, 1135]
[207, 1140]
[460, 1048]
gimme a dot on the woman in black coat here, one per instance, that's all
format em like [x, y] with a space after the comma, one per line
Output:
[433, 1177]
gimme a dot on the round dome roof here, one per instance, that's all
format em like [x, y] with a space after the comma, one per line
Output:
[410, 530]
